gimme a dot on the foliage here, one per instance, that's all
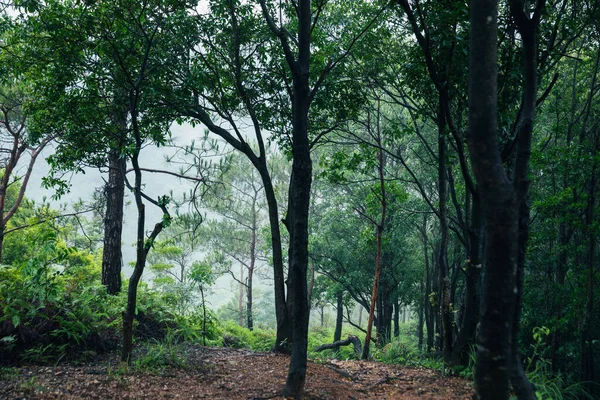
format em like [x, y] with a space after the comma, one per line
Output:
[236, 336]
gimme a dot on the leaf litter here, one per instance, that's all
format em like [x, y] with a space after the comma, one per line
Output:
[223, 373]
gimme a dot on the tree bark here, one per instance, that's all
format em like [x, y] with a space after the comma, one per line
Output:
[283, 335]
[421, 315]
[444, 284]
[339, 317]
[354, 340]
[143, 244]
[298, 215]
[241, 298]
[397, 318]
[112, 257]
[527, 26]
[499, 204]
[470, 318]
[588, 374]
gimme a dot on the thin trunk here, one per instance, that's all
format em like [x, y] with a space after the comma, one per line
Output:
[360, 311]
[563, 241]
[446, 312]
[379, 236]
[521, 385]
[470, 318]
[203, 316]
[283, 334]
[421, 315]
[339, 317]
[241, 298]
[311, 285]
[143, 243]
[397, 318]
[428, 309]
[112, 256]
[365, 353]
[249, 294]
[15, 152]
[588, 374]
[250, 319]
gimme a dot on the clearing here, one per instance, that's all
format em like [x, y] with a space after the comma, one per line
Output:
[222, 373]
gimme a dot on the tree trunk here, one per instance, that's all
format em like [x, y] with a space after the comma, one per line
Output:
[397, 318]
[588, 374]
[112, 256]
[250, 320]
[470, 318]
[365, 353]
[446, 312]
[300, 189]
[421, 315]
[241, 298]
[521, 385]
[500, 208]
[339, 317]
[428, 309]
[527, 26]
[283, 334]
[360, 311]
[143, 243]
[563, 242]
[2, 228]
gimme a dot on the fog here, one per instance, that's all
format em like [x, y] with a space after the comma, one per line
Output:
[83, 186]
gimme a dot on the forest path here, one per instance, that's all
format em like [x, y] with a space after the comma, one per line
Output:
[221, 373]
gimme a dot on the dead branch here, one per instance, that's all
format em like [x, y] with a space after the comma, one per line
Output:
[354, 340]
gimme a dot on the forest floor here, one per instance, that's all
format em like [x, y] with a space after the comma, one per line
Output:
[221, 373]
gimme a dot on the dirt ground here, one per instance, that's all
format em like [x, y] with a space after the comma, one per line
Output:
[220, 373]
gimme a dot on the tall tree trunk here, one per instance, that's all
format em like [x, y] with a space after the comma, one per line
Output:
[283, 335]
[250, 320]
[298, 215]
[499, 204]
[251, 267]
[443, 253]
[143, 243]
[428, 309]
[365, 353]
[379, 237]
[470, 318]
[241, 298]
[337, 335]
[563, 241]
[421, 315]
[521, 385]
[588, 374]
[527, 25]
[397, 318]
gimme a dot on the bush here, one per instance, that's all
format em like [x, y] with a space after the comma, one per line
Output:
[400, 350]
[236, 336]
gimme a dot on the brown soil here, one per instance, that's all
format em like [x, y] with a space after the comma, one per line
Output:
[219, 373]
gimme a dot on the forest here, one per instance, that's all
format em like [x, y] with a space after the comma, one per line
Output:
[400, 195]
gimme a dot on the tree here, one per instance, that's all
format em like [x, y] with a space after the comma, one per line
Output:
[501, 199]
[239, 200]
[16, 147]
